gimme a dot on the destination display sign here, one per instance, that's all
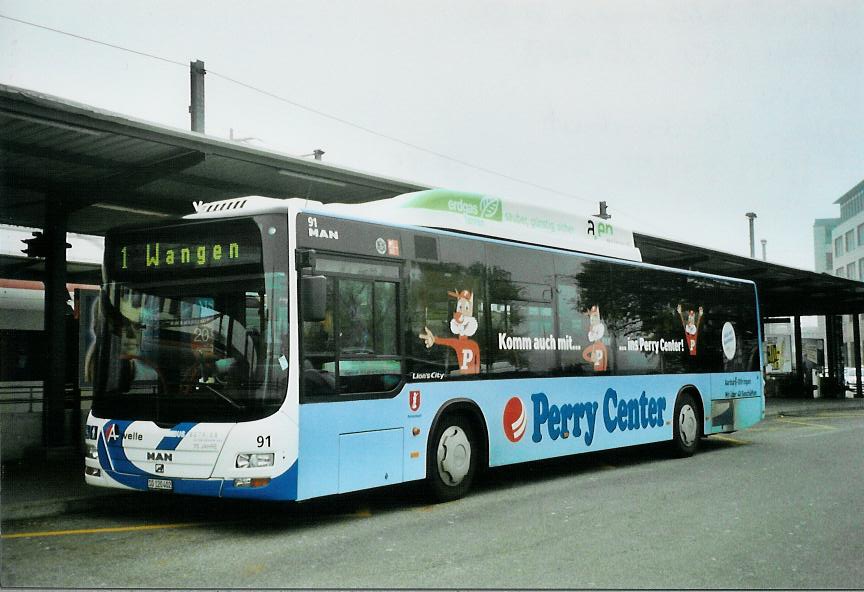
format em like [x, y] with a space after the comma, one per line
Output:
[184, 249]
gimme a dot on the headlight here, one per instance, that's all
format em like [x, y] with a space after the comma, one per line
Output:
[251, 482]
[91, 451]
[254, 460]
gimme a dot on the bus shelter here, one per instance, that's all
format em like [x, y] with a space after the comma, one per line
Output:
[784, 293]
[69, 167]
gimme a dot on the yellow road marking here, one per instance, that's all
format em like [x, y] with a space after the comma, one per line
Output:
[363, 513]
[253, 570]
[735, 441]
[47, 533]
[607, 466]
[808, 424]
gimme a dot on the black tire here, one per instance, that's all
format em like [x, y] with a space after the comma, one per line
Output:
[686, 426]
[452, 458]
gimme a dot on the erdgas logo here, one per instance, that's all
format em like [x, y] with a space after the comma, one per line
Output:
[514, 419]
[579, 419]
[489, 207]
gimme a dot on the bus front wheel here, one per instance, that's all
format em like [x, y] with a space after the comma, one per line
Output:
[686, 426]
[452, 458]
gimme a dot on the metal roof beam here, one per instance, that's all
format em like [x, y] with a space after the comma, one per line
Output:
[43, 151]
[749, 272]
[685, 261]
[124, 182]
[230, 187]
[110, 164]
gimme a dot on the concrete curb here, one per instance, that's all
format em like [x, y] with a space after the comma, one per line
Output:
[56, 507]
[803, 408]
[81, 504]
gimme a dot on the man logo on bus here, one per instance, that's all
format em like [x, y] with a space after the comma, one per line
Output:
[596, 352]
[463, 325]
[691, 327]
[514, 419]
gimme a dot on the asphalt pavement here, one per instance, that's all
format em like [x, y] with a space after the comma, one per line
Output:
[55, 485]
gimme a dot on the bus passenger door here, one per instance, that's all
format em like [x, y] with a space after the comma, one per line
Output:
[350, 435]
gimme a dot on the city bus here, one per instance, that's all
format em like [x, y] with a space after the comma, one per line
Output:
[288, 349]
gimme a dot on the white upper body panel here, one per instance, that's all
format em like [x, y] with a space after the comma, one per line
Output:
[463, 212]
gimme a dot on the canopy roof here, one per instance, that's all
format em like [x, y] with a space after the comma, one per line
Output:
[107, 169]
[783, 291]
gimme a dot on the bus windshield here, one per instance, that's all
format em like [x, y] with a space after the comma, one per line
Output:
[189, 341]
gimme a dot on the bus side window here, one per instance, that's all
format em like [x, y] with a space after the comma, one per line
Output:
[571, 319]
[433, 328]
[642, 314]
[355, 349]
[355, 317]
[523, 339]
[368, 312]
[522, 328]
[319, 350]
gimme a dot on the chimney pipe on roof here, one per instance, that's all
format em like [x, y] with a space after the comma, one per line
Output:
[196, 108]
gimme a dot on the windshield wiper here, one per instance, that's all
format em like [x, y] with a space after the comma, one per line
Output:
[221, 395]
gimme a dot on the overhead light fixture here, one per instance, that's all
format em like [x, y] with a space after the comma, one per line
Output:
[107, 206]
[312, 178]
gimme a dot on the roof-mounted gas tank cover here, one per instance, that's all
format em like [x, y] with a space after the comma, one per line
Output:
[462, 212]
[559, 227]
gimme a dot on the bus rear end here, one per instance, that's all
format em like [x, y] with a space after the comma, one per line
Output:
[190, 364]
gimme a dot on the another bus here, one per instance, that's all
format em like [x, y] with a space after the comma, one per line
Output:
[285, 350]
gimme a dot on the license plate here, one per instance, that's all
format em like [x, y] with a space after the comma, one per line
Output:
[160, 484]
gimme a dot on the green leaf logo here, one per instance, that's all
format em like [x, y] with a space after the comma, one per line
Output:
[490, 208]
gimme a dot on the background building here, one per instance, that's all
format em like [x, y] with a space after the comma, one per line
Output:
[823, 244]
[847, 249]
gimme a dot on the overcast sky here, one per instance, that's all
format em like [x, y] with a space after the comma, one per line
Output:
[682, 115]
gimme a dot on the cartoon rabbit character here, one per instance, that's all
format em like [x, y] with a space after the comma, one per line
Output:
[691, 327]
[463, 325]
[596, 352]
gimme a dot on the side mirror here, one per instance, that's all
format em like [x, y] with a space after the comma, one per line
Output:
[313, 297]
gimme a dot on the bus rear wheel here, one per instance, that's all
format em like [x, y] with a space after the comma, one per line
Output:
[686, 426]
[452, 458]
